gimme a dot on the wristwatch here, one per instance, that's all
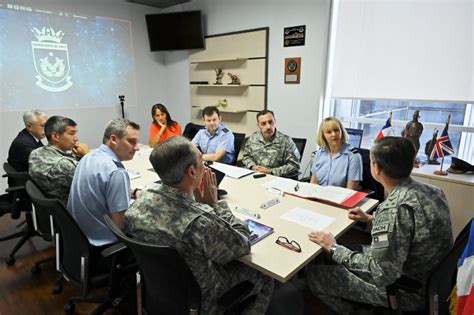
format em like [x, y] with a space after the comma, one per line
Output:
[333, 248]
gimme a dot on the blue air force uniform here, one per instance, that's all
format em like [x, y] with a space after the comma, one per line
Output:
[223, 139]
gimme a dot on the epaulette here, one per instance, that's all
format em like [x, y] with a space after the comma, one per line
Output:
[119, 164]
[225, 130]
[354, 150]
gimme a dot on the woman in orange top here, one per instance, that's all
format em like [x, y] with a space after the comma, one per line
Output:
[163, 127]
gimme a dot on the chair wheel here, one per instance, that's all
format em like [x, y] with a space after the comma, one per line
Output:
[58, 288]
[10, 261]
[69, 308]
[35, 269]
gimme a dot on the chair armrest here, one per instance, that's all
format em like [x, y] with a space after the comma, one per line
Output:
[113, 249]
[15, 188]
[236, 295]
[405, 283]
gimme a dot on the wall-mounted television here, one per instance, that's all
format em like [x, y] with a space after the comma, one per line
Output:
[175, 31]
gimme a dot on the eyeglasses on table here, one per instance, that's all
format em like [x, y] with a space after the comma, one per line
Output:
[291, 245]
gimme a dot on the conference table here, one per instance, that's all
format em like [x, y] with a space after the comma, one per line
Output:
[270, 258]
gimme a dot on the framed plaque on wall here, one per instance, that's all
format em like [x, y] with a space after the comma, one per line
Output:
[292, 70]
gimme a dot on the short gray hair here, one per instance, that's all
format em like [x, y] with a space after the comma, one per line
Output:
[172, 157]
[30, 116]
[57, 124]
[117, 127]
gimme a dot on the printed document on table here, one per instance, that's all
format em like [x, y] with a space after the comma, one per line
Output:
[308, 218]
[307, 190]
[231, 171]
[133, 174]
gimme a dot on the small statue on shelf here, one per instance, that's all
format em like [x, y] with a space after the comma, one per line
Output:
[222, 103]
[219, 75]
[235, 79]
[412, 132]
[429, 146]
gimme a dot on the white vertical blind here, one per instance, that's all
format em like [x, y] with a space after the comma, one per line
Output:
[410, 50]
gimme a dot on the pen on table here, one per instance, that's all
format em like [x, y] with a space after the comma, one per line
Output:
[297, 187]
[247, 212]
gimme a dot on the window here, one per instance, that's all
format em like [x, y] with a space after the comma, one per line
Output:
[370, 115]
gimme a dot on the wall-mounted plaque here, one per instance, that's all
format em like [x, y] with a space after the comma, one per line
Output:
[294, 36]
[292, 70]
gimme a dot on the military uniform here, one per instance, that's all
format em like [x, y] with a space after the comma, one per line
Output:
[210, 239]
[53, 170]
[222, 139]
[411, 233]
[278, 153]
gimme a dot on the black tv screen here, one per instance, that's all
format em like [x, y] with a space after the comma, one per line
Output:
[175, 31]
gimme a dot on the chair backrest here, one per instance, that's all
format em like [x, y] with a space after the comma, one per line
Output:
[300, 145]
[168, 285]
[443, 277]
[368, 182]
[18, 180]
[355, 137]
[191, 129]
[238, 141]
[43, 221]
[74, 247]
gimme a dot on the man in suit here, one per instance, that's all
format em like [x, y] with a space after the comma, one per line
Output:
[27, 140]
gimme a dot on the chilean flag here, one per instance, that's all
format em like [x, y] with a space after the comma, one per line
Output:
[387, 129]
[465, 278]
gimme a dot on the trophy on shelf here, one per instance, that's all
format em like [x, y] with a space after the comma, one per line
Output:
[412, 132]
[234, 79]
[219, 75]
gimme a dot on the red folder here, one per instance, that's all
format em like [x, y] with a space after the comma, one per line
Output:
[350, 202]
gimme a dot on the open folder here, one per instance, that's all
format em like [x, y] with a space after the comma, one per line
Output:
[337, 195]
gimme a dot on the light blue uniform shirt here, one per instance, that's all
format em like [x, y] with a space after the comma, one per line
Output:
[101, 185]
[343, 167]
[223, 139]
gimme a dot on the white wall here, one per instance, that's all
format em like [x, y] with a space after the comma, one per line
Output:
[150, 79]
[296, 106]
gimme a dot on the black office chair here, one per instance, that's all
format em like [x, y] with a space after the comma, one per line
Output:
[191, 129]
[355, 137]
[14, 202]
[44, 227]
[167, 284]
[368, 183]
[76, 256]
[238, 142]
[440, 283]
[300, 145]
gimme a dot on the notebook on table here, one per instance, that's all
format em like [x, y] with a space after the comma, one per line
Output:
[259, 230]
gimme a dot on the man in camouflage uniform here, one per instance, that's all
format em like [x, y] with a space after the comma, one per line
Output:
[52, 167]
[270, 151]
[411, 233]
[184, 213]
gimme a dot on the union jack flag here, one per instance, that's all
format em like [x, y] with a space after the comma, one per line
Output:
[443, 146]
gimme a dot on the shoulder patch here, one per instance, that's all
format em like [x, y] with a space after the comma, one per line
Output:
[225, 130]
[380, 241]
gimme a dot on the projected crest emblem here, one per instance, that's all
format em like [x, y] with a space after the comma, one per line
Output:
[51, 59]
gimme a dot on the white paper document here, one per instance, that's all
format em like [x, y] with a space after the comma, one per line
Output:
[308, 218]
[306, 190]
[231, 171]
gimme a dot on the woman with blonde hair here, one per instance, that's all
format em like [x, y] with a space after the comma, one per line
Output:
[335, 164]
[163, 126]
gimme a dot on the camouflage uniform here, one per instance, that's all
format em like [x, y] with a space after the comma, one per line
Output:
[53, 170]
[410, 235]
[279, 153]
[210, 239]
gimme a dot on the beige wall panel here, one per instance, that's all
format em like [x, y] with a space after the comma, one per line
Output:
[249, 71]
[242, 45]
[245, 98]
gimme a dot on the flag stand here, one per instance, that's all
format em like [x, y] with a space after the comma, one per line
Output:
[440, 171]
